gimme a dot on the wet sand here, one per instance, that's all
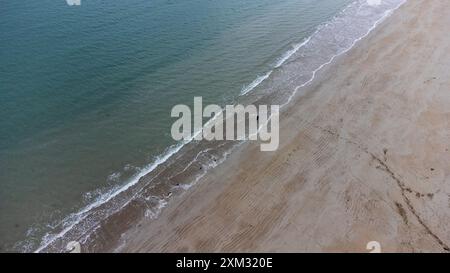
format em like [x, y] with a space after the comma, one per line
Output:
[364, 156]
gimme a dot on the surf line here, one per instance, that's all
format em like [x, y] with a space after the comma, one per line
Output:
[251, 122]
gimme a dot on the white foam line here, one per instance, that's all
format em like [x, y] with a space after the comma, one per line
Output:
[292, 51]
[153, 214]
[386, 14]
[287, 55]
[186, 142]
[191, 162]
[81, 215]
[279, 63]
[297, 47]
[207, 168]
[255, 83]
[162, 203]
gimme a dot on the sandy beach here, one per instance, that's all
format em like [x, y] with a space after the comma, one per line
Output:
[364, 156]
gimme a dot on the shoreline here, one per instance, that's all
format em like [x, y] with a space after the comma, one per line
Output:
[338, 179]
[100, 224]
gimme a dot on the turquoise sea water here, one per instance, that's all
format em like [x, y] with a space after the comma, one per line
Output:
[86, 91]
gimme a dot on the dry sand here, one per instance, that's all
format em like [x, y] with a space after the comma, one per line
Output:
[364, 155]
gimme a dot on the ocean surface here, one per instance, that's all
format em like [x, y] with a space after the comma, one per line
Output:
[86, 93]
